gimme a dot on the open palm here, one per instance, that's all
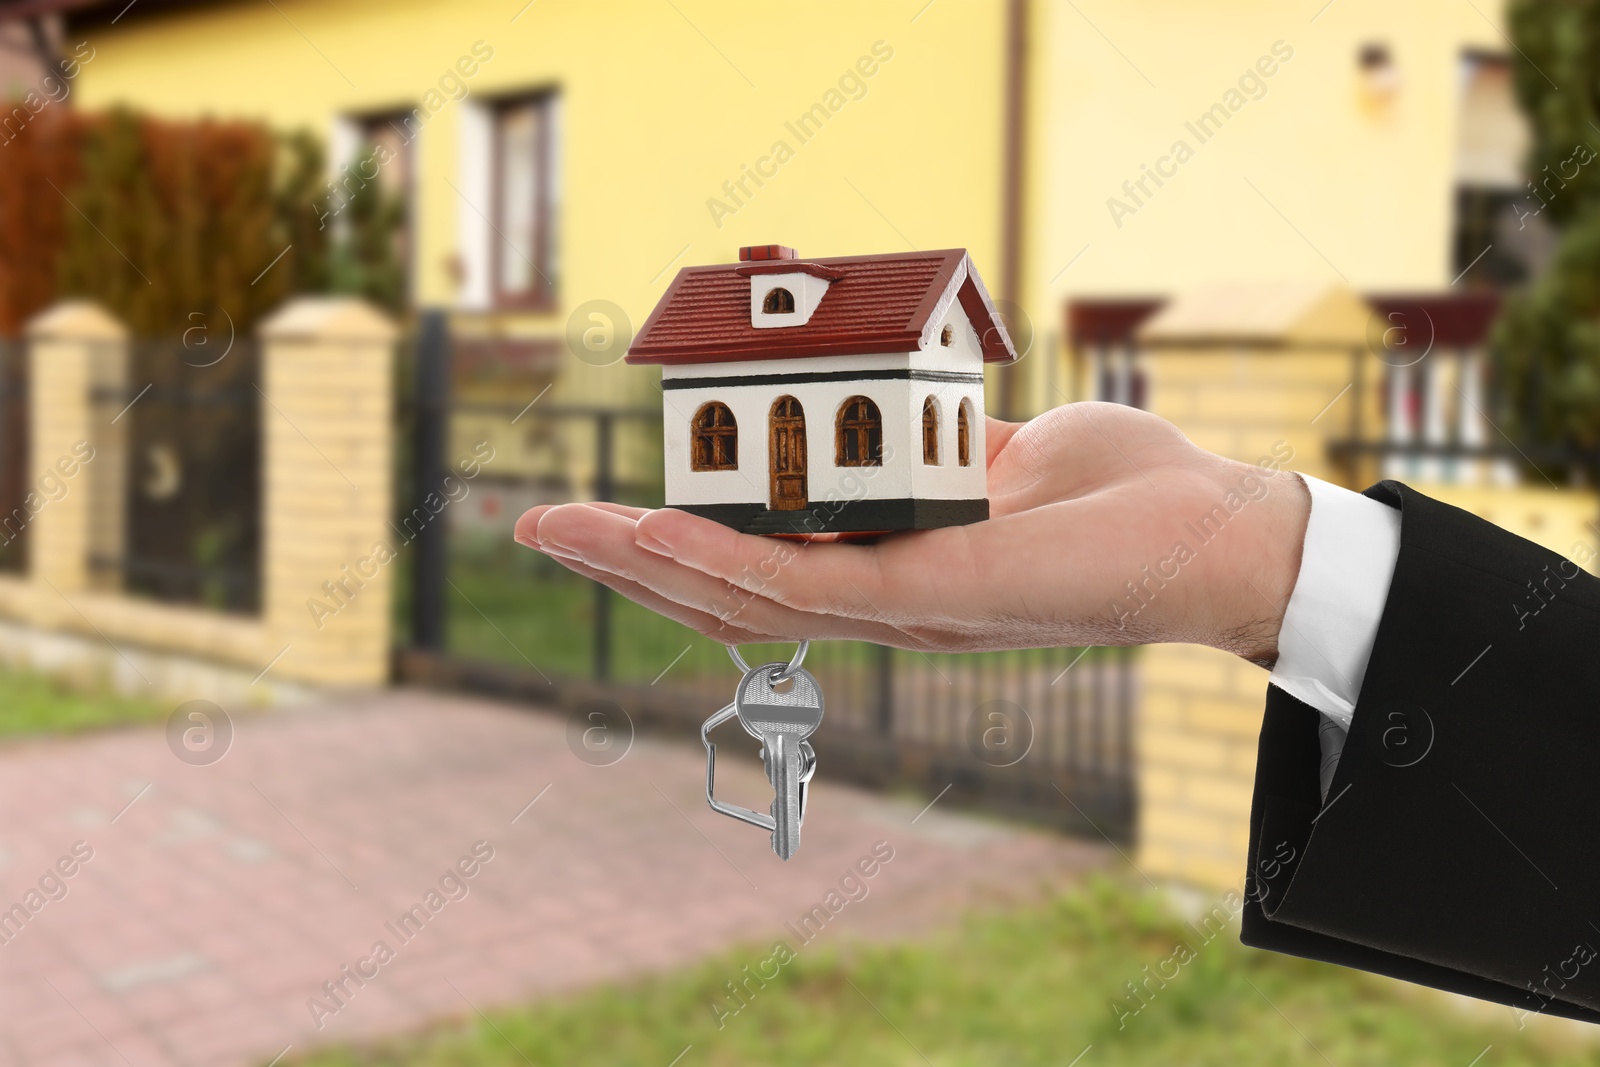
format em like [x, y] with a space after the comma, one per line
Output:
[1107, 526]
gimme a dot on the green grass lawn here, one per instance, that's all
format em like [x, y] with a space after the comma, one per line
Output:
[1033, 986]
[35, 704]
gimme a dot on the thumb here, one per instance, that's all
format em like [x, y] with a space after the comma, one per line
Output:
[996, 434]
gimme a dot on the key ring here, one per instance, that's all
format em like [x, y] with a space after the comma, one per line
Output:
[754, 818]
[781, 676]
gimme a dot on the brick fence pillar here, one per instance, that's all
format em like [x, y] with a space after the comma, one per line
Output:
[73, 347]
[328, 437]
[1260, 372]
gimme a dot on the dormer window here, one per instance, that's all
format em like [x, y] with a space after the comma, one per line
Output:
[778, 302]
[947, 336]
[784, 291]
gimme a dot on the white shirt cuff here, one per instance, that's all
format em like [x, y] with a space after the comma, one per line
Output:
[1331, 621]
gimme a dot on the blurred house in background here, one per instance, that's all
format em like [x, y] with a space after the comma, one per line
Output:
[555, 154]
[558, 152]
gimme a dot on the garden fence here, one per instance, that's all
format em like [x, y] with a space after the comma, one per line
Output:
[1044, 734]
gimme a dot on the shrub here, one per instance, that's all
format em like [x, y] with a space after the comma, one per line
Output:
[159, 220]
[1547, 342]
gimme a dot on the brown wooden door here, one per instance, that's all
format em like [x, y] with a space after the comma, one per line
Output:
[786, 453]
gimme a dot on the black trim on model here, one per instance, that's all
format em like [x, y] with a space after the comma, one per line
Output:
[891, 374]
[844, 516]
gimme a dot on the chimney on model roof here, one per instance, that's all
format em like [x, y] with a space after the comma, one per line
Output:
[759, 252]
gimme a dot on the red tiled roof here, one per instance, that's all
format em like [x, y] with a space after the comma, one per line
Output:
[878, 304]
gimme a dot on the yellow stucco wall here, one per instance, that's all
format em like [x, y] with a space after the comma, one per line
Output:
[1368, 186]
[1364, 191]
[662, 104]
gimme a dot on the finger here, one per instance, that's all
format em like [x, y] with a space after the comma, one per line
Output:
[627, 511]
[605, 541]
[996, 435]
[902, 583]
[608, 542]
[755, 621]
[728, 632]
[828, 579]
[527, 528]
[526, 531]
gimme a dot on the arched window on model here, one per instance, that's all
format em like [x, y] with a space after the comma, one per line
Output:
[859, 441]
[930, 432]
[778, 302]
[713, 439]
[964, 434]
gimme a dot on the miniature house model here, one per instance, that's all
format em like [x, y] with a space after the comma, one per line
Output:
[809, 396]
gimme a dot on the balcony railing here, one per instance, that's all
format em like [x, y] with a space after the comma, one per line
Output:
[1106, 362]
[1431, 353]
[1437, 423]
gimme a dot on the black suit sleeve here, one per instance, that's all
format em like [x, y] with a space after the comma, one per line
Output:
[1459, 845]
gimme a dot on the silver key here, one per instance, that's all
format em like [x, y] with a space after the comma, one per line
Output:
[782, 721]
[808, 767]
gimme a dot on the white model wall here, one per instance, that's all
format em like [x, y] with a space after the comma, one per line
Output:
[964, 353]
[947, 480]
[899, 400]
[820, 401]
[903, 474]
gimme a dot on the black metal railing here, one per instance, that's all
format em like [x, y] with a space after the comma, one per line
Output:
[178, 475]
[1561, 464]
[1006, 730]
[16, 482]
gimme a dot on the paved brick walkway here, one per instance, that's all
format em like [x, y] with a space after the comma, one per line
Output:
[219, 899]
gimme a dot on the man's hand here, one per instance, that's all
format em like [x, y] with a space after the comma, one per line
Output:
[1106, 527]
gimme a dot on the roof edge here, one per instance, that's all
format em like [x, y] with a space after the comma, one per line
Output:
[908, 342]
[955, 280]
[993, 338]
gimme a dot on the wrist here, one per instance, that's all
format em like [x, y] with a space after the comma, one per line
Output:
[1260, 569]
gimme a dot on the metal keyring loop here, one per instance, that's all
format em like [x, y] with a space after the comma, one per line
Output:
[783, 675]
